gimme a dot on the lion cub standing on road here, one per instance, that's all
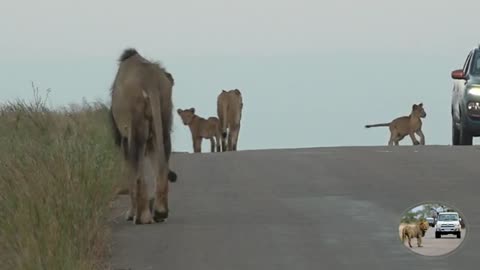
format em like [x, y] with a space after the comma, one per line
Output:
[406, 125]
[201, 128]
[414, 231]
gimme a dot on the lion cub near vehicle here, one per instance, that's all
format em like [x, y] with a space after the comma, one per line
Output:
[417, 230]
[202, 128]
[406, 125]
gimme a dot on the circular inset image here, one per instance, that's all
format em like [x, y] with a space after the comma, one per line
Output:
[432, 229]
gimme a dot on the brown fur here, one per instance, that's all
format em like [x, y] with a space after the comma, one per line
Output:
[229, 110]
[141, 116]
[417, 230]
[201, 128]
[406, 125]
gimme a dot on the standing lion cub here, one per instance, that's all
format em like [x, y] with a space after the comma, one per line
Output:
[201, 128]
[406, 125]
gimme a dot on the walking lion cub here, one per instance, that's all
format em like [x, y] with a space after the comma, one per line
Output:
[202, 128]
[406, 125]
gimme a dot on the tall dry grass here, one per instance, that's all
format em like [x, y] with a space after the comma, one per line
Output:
[58, 169]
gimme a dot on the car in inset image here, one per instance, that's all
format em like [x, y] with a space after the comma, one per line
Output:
[448, 223]
[431, 221]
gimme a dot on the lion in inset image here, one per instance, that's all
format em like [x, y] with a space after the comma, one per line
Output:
[229, 110]
[406, 125]
[202, 128]
[141, 116]
[417, 230]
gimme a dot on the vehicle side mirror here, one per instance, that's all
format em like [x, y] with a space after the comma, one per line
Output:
[458, 74]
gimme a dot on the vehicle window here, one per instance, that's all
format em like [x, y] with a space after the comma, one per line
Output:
[476, 64]
[467, 63]
[451, 217]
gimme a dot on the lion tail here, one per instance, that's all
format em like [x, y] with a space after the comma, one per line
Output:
[114, 128]
[378, 125]
[136, 139]
[158, 126]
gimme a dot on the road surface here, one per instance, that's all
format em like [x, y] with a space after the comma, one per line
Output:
[319, 208]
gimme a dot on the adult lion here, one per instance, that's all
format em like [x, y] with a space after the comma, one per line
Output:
[141, 114]
[229, 110]
[201, 128]
[416, 230]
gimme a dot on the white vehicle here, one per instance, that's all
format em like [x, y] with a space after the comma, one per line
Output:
[448, 223]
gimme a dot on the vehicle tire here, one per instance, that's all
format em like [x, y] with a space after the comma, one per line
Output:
[437, 235]
[465, 137]
[459, 235]
[455, 134]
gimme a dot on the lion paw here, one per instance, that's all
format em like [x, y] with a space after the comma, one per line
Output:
[172, 176]
[160, 216]
[416, 143]
[145, 218]
[129, 215]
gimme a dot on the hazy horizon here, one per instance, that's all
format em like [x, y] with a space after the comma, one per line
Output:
[312, 73]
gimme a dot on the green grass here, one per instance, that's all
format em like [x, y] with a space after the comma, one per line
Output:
[58, 170]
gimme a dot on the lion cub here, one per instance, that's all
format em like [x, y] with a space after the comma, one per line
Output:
[406, 125]
[414, 231]
[202, 128]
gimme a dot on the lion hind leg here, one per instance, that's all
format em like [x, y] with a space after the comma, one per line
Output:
[393, 138]
[131, 212]
[161, 198]
[234, 139]
[212, 144]
[398, 139]
[143, 204]
[224, 141]
[137, 148]
[218, 141]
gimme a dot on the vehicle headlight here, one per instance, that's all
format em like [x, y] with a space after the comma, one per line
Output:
[473, 105]
[474, 91]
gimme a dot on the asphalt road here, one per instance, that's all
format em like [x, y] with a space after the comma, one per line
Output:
[323, 208]
[432, 246]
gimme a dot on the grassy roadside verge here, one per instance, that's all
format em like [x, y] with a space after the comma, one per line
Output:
[57, 175]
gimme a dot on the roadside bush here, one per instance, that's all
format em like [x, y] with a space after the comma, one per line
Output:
[57, 174]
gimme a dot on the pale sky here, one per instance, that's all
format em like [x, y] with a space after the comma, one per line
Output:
[312, 73]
